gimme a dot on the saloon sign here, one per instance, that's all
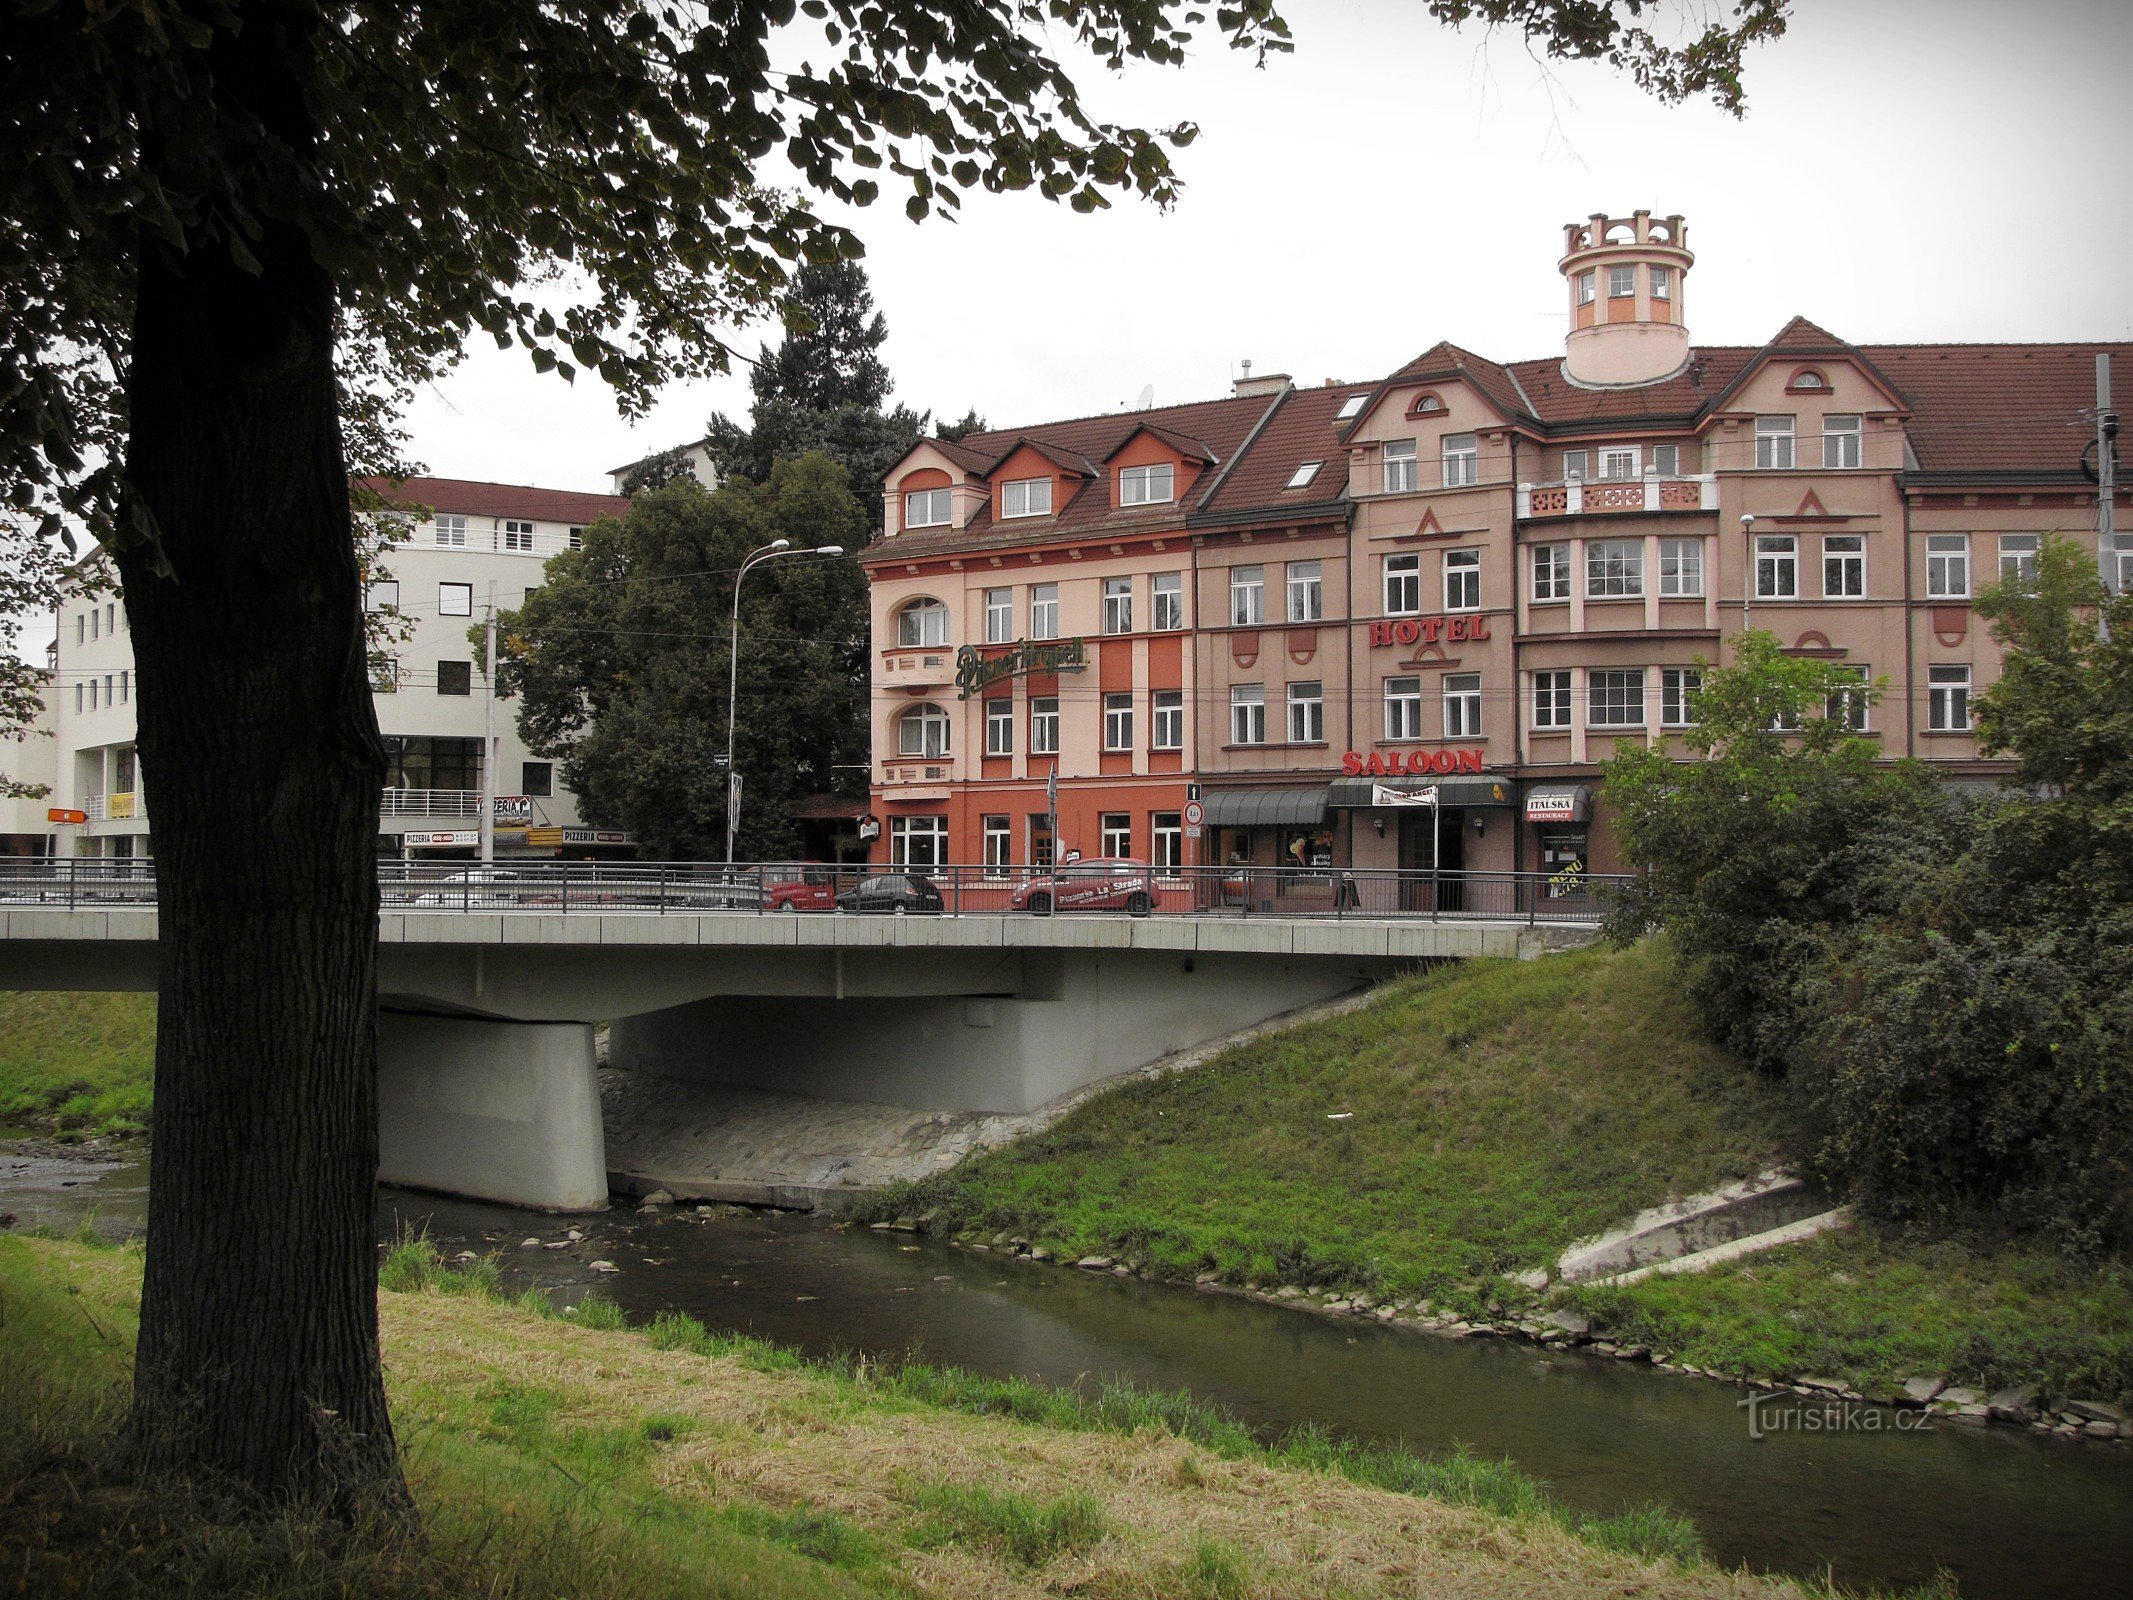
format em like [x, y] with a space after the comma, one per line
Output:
[1394, 763]
[1429, 630]
[974, 669]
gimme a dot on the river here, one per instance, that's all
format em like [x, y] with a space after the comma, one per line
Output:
[2011, 1515]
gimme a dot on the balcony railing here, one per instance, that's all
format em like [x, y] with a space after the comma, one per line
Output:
[430, 803]
[918, 667]
[1582, 497]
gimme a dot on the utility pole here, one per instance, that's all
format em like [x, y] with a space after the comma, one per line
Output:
[488, 734]
[2106, 489]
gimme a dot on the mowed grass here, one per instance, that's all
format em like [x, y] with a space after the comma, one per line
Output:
[1475, 1120]
[554, 1459]
[76, 1064]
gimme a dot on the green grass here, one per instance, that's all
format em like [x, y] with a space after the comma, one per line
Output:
[1877, 1304]
[1028, 1531]
[77, 1064]
[1497, 1112]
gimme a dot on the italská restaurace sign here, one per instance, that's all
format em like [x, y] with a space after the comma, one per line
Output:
[974, 670]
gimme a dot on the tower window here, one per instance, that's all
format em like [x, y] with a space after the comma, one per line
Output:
[1588, 288]
[1621, 283]
[1662, 283]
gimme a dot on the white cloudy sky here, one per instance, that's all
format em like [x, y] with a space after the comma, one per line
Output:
[1907, 170]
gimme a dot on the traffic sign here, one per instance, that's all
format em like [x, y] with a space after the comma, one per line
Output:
[1195, 813]
[1192, 832]
[62, 814]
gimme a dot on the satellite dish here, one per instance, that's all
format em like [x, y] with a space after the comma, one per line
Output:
[1147, 398]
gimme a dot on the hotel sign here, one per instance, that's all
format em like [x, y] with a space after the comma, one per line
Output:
[974, 670]
[1429, 630]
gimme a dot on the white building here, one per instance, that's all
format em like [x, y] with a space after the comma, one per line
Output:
[696, 453]
[24, 828]
[483, 543]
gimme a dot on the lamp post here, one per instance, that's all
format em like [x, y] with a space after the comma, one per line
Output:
[769, 552]
[1747, 581]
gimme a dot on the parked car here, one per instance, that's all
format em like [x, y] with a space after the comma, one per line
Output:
[1106, 883]
[892, 891]
[480, 888]
[804, 889]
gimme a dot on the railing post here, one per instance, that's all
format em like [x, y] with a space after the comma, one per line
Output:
[659, 890]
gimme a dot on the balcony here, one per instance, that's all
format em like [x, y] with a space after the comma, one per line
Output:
[430, 803]
[1582, 497]
[918, 667]
[917, 777]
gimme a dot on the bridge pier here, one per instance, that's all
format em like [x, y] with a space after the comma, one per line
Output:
[492, 1110]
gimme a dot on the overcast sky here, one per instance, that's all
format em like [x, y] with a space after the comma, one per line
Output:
[1906, 170]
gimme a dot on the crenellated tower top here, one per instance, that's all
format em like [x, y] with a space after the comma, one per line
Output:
[1624, 276]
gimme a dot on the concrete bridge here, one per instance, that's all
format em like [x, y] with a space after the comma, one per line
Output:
[488, 1084]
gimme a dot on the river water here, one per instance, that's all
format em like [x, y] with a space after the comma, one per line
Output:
[2009, 1514]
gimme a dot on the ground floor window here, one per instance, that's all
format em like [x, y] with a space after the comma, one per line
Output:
[999, 842]
[1167, 832]
[1562, 858]
[918, 841]
[1117, 833]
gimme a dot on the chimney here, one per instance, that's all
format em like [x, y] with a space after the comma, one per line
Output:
[1272, 383]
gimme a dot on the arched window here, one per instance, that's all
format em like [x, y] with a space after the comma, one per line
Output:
[922, 731]
[922, 623]
[1808, 379]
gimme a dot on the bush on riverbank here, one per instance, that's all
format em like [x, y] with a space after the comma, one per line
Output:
[1472, 1121]
[77, 1064]
[550, 1459]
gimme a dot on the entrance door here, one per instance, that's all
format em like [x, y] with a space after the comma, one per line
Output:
[1448, 858]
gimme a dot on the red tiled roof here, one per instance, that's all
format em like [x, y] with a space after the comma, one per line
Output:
[1555, 402]
[1081, 466]
[1188, 449]
[1998, 408]
[1303, 429]
[468, 497]
[960, 453]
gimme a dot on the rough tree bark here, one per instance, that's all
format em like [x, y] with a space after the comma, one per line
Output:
[258, 1355]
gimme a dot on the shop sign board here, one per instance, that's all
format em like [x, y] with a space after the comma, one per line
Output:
[1394, 763]
[464, 836]
[513, 808]
[974, 669]
[1429, 630]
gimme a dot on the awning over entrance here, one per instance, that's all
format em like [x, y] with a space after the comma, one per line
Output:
[1467, 792]
[1559, 802]
[1265, 808]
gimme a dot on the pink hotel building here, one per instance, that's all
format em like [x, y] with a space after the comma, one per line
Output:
[1470, 574]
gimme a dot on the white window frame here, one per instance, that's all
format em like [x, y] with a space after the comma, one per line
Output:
[1166, 841]
[1402, 576]
[999, 842]
[1551, 572]
[450, 531]
[922, 624]
[1621, 464]
[904, 832]
[1118, 722]
[1680, 569]
[999, 616]
[1167, 594]
[2018, 555]
[1352, 407]
[1666, 460]
[1621, 283]
[1115, 830]
[1588, 288]
[1462, 580]
[928, 508]
[1615, 688]
[1403, 708]
[1034, 498]
[1777, 566]
[455, 599]
[1775, 443]
[1118, 605]
[1948, 691]
[1044, 611]
[1844, 561]
[1167, 710]
[919, 725]
[1044, 725]
[1302, 476]
[515, 537]
[383, 595]
[1400, 465]
[1247, 713]
[1306, 592]
[1577, 465]
[574, 536]
[1614, 569]
[1553, 707]
[1462, 705]
[1662, 283]
[1460, 454]
[1151, 485]
[1247, 596]
[1000, 725]
[1947, 566]
[1678, 688]
[1307, 712]
[1850, 708]
[1840, 442]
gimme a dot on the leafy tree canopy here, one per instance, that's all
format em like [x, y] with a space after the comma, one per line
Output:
[619, 660]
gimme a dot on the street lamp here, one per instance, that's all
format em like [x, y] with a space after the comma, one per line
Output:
[769, 552]
[1747, 582]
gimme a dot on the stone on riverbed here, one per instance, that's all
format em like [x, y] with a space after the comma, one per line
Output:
[1095, 1263]
[2015, 1404]
[1922, 1391]
[658, 1197]
[2095, 1410]
[603, 1266]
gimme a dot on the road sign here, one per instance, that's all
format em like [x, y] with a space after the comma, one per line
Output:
[62, 814]
[1192, 832]
[1195, 813]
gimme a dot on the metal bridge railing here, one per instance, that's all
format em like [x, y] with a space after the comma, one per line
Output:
[803, 888]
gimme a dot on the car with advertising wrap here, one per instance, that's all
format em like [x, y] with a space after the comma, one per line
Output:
[1103, 883]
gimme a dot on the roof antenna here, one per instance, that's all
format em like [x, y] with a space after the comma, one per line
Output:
[1147, 398]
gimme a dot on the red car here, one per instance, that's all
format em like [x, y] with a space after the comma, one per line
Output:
[1107, 883]
[808, 889]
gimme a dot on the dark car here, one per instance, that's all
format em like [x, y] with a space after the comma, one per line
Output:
[1107, 883]
[892, 891]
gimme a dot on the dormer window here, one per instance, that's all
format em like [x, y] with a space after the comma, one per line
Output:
[1147, 486]
[923, 624]
[1351, 408]
[1026, 497]
[1302, 476]
[926, 508]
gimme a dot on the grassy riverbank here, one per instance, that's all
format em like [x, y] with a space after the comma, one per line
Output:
[1475, 1121]
[551, 1457]
[77, 1064]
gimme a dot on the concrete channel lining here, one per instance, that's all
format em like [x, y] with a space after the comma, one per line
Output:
[1698, 1223]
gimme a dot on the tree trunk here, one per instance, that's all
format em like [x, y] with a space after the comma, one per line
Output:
[258, 1354]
